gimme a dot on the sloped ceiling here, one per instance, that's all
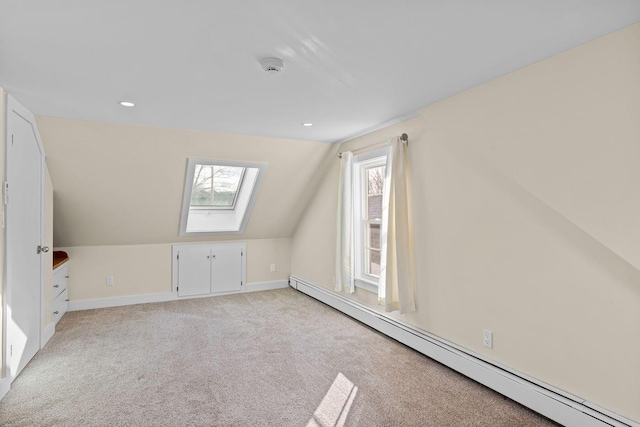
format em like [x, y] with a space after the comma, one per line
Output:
[350, 65]
[119, 184]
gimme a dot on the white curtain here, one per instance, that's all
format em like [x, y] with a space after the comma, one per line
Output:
[396, 286]
[344, 241]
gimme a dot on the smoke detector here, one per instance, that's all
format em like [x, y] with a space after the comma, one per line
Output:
[272, 65]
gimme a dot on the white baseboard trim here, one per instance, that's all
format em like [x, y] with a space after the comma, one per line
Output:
[47, 334]
[89, 304]
[555, 404]
[266, 286]
[5, 386]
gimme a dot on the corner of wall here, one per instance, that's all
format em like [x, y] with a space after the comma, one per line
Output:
[314, 185]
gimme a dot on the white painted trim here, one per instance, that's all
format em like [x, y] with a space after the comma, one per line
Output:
[599, 410]
[5, 386]
[90, 304]
[47, 334]
[555, 404]
[266, 286]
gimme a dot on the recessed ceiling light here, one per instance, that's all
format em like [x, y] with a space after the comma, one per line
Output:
[307, 124]
[127, 104]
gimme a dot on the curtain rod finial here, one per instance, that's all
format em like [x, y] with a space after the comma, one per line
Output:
[404, 137]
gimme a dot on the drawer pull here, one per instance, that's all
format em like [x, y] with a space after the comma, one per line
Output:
[67, 300]
[56, 286]
[66, 277]
[55, 312]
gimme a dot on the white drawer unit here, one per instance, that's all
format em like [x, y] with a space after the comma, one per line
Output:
[60, 294]
[60, 306]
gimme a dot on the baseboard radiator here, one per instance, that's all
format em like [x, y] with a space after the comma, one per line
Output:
[553, 403]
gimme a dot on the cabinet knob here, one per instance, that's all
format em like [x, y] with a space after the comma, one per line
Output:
[55, 312]
[67, 300]
[66, 277]
[56, 286]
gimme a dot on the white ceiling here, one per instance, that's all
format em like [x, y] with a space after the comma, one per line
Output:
[351, 65]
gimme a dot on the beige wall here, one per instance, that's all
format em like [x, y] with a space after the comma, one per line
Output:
[118, 184]
[146, 269]
[527, 220]
[118, 198]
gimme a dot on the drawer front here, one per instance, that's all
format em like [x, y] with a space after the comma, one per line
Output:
[60, 306]
[60, 280]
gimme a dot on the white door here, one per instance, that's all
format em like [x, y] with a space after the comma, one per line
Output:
[194, 271]
[226, 269]
[25, 179]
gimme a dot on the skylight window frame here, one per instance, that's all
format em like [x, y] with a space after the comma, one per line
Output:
[247, 195]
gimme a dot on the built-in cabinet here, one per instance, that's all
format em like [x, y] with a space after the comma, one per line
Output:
[60, 292]
[203, 269]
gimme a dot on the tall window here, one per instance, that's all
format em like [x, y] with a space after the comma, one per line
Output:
[373, 237]
[368, 180]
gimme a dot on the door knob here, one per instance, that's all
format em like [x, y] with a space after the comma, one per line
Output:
[44, 249]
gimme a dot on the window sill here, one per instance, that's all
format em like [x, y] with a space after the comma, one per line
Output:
[367, 285]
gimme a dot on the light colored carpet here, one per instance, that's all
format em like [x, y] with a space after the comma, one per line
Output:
[275, 358]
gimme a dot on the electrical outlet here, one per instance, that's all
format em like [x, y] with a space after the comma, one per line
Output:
[273, 267]
[109, 280]
[487, 338]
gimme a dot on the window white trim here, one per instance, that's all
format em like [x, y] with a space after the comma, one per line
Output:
[362, 162]
[211, 221]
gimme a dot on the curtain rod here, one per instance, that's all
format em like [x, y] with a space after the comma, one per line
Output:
[404, 138]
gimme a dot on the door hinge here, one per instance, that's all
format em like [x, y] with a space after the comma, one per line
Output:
[178, 256]
[241, 253]
[5, 193]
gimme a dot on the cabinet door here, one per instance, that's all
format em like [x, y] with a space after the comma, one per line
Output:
[226, 269]
[194, 271]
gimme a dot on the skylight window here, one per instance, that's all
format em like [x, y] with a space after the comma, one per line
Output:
[219, 195]
[216, 186]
